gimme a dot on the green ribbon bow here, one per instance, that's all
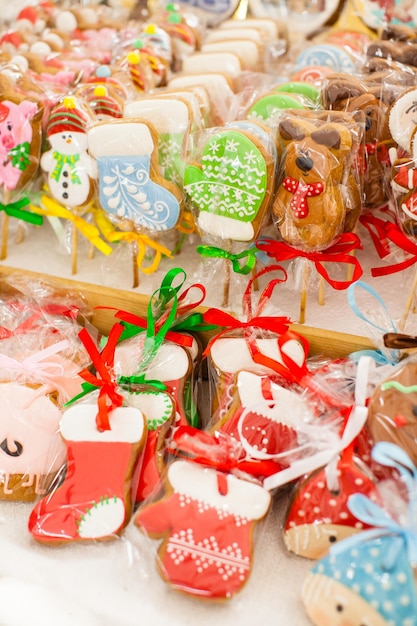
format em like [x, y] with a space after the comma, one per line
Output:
[15, 209]
[129, 381]
[236, 259]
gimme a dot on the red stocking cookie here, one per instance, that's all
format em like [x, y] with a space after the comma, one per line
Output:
[95, 500]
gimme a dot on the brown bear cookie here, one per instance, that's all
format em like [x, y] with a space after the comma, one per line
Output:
[345, 93]
[314, 198]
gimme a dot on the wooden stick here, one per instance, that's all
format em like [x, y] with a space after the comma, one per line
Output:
[135, 266]
[91, 251]
[20, 234]
[74, 249]
[255, 283]
[5, 227]
[4, 235]
[409, 303]
[226, 284]
[321, 291]
[303, 299]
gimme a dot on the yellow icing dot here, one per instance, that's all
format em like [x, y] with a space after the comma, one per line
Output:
[133, 57]
[150, 29]
[100, 91]
[68, 102]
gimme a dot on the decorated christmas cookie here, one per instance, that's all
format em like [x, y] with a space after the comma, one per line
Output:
[172, 119]
[317, 191]
[230, 188]
[95, 500]
[318, 515]
[29, 433]
[393, 410]
[130, 186]
[206, 520]
[67, 164]
[264, 418]
[20, 129]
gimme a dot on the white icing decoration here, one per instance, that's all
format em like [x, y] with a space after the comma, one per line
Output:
[78, 423]
[224, 62]
[243, 499]
[171, 362]
[225, 227]
[286, 407]
[232, 354]
[102, 519]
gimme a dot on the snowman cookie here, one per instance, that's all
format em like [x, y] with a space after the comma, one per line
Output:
[67, 165]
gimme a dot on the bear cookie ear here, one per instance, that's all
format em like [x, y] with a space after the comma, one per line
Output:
[327, 136]
[292, 130]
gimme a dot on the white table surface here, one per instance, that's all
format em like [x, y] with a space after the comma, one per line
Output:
[115, 583]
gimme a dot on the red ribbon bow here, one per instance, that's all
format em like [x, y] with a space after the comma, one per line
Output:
[288, 369]
[217, 451]
[376, 228]
[337, 253]
[301, 192]
[394, 233]
[105, 380]
[35, 319]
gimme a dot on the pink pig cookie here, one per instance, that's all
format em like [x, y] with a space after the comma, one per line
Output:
[31, 451]
[20, 142]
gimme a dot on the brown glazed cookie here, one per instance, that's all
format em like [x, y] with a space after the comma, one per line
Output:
[345, 93]
[310, 206]
[392, 412]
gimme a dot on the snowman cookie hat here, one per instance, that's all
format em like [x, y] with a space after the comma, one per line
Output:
[103, 104]
[66, 117]
[370, 576]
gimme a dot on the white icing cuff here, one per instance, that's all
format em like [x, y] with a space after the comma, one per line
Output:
[243, 498]
[225, 227]
[78, 423]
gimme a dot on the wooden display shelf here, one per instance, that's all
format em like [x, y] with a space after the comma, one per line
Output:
[330, 343]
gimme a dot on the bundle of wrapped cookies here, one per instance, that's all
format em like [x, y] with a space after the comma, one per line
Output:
[196, 467]
[268, 154]
[175, 126]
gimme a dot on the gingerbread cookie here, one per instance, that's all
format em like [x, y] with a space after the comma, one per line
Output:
[230, 187]
[131, 189]
[359, 99]
[67, 164]
[206, 520]
[21, 133]
[318, 515]
[392, 414]
[29, 432]
[311, 203]
[95, 500]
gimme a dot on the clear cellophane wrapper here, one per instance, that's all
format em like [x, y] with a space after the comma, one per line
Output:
[40, 360]
[229, 212]
[203, 527]
[316, 173]
[370, 571]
